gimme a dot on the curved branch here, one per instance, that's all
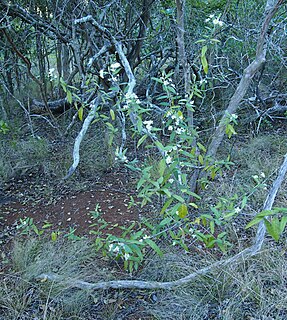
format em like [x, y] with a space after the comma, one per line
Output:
[81, 134]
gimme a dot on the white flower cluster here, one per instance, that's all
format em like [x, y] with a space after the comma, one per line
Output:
[167, 82]
[259, 180]
[144, 238]
[178, 118]
[148, 125]
[215, 21]
[130, 99]
[237, 210]
[233, 117]
[118, 249]
[168, 160]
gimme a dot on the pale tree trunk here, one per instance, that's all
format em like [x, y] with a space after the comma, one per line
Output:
[270, 10]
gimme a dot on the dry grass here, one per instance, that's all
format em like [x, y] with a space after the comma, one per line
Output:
[250, 289]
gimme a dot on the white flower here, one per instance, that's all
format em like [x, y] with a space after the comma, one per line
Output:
[170, 128]
[146, 237]
[170, 180]
[177, 213]
[126, 256]
[148, 125]
[216, 21]
[125, 107]
[173, 117]
[179, 130]
[262, 174]
[237, 210]
[116, 249]
[168, 160]
[115, 66]
[132, 97]
[255, 177]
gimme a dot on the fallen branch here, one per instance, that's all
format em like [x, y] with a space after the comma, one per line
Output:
[56, 106]
[138, 284]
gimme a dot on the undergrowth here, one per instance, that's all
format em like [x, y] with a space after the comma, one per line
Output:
[248, 289]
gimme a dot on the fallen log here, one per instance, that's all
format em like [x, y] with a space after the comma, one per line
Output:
[57, 106]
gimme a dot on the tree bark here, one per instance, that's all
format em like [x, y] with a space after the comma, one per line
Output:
[270, 10]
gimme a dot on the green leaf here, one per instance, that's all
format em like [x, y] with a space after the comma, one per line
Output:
[203, 51]
[154, 246]
[201, 146]
[283, 223]
[182, 211]
[166, 205]
[204, 64]
[80, 113]
[178, 198]
[137, 250]
[244, 202]
[253, 222]
[141, 140]
[54, 236]
[273, 228]
[161, 167]
[159, 145]
[211, 226]
[167, 192]
[200, 159]
[69, 97]
[112, 113]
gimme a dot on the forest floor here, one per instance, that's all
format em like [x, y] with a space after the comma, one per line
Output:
[253, 289]
[65, 208]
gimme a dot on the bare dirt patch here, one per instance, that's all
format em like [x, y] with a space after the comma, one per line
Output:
[66, 208]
